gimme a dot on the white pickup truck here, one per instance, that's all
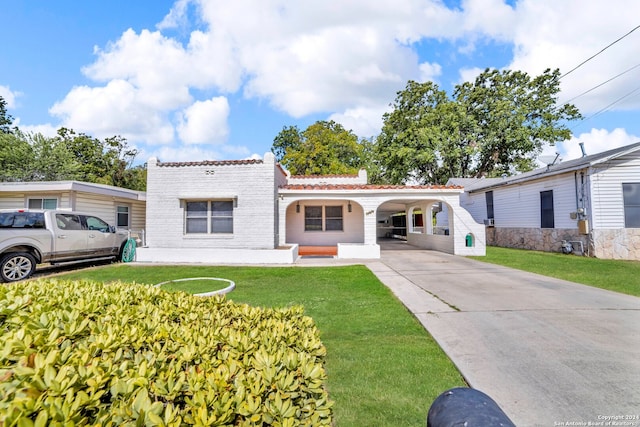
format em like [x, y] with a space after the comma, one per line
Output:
[30, 237]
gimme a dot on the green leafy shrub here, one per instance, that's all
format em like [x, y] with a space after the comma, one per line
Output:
[86, 353]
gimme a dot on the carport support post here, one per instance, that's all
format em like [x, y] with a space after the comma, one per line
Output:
[370, 229]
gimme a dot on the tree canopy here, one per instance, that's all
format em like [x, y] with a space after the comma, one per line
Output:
[69, 156]
[497, 124]
[5, 119]
[325, 147]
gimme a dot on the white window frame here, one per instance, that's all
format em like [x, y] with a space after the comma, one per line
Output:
[324, 219]
[128, 214]
[42, 200]
[630, 202]
[211, 215]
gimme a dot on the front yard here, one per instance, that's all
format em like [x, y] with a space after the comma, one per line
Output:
[614, 275]
[383, 368]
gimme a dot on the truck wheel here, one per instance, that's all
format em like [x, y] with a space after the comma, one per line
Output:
[17, 266]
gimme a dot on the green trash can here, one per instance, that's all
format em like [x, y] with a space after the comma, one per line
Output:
[468, 240]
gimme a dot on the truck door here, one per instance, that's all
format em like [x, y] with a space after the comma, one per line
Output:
[101, 240]
[71, 239]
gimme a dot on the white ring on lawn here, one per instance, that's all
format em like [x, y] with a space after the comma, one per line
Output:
[226, 290]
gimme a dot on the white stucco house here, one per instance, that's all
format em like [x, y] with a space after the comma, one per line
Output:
[124, 208]
[592, 202]
[254, 212]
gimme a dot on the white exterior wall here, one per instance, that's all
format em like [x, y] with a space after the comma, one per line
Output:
[518, 205]
[365, 204]
[100, 205]
[606, 191]
[353, 224]
[254, 218]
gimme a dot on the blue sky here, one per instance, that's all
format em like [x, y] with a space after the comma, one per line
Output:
[213, 79]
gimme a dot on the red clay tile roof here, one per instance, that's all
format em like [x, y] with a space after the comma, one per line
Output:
[367, 187]
[211, 163]
[323, 176]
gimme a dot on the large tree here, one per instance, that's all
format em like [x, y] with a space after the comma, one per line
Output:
[69, 156]
[325, 147]
[497, 124]
[5, 119]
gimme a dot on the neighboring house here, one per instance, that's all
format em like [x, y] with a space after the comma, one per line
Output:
[253, 211]
[124, 208]
[592, 202]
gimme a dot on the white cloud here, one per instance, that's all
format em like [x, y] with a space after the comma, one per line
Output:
[46, 129]
[115, 109]
[364, 122]
[430, 71]
[343, 59]
[9, 96]
[205, 122]
[595, 141]
[545, 37]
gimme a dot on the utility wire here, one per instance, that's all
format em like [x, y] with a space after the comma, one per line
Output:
[593, 56]
[602, 84]
[607, 107]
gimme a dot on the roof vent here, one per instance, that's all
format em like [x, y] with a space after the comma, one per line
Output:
[584, 153]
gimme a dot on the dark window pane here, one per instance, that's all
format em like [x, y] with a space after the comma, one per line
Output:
[222, 225]
[489, 199]
[196, 225]
[197, 209]
[333, 224]
[546, 209]
[313, 218]
[222, 208]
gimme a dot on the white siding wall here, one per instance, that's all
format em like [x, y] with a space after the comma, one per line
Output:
[474, 203]
[606, 191]
[519, 205]
[253, 219]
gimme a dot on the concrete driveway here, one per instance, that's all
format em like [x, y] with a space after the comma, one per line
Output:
[549, 352]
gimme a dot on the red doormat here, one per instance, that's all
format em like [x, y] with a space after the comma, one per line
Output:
[317, 250]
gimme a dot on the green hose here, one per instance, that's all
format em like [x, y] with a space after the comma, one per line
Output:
[129, 250]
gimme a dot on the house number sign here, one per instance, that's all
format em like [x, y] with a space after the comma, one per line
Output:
[209, 172]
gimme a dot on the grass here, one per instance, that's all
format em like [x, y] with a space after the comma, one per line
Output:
[614, 275]
[383, 368]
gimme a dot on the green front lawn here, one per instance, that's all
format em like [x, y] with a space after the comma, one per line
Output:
[615, 275]
[383, 368]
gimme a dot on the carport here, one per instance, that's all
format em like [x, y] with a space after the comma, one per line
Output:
[353, 218]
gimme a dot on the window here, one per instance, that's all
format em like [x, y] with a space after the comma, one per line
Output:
[122, 217]
[313, 218]
[333, 218]
[631, 197]
[43, 204]
[488, 196]
[546, 209]
[323, 218]
[68, 222]
[209, 217]
[94, 223]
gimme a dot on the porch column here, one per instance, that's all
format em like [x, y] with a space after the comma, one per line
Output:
[370, 230]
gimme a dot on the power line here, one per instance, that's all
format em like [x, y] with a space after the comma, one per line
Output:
[602, 84]
[607, 107]
[593, 56]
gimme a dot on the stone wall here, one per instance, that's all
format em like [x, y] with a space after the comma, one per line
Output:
[617, 243]
[606, 244]
[537, 239]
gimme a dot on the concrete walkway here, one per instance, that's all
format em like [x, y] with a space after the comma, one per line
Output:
[549, 352]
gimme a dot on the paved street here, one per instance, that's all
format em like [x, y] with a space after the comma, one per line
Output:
[550, 352]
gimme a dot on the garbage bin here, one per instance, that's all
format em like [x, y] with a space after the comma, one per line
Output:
[468, 240]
